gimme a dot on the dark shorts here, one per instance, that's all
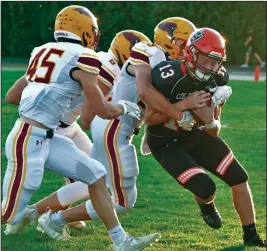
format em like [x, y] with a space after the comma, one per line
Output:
[252, 48]
[185, 157]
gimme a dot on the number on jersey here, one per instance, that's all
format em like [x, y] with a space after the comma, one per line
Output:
[165, 73]
[45, 63]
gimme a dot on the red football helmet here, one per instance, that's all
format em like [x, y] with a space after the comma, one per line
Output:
[204, 53]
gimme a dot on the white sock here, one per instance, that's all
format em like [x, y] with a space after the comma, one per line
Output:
[33, 215]
[117, 234]
[57, 220]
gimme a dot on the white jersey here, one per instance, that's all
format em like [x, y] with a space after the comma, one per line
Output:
[108, 75]
[126, 88]
[50, 86]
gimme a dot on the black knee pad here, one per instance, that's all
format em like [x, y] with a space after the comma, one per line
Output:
[235, 174]
[201, 185]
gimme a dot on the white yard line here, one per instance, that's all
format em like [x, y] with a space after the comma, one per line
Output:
[224, 126]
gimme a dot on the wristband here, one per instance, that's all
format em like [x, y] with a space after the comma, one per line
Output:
[213, 124]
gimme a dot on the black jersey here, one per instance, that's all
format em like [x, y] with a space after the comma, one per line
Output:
[170, 79]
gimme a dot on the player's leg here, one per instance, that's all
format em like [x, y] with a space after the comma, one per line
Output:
[173, 157]
[82, 141]
[114, 150]
[225, 166]
[66, 159]
[247, 57]
[26, 150]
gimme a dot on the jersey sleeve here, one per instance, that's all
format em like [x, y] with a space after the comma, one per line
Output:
[109, 70]
[89, 61]
[222, 77]
[140, 54]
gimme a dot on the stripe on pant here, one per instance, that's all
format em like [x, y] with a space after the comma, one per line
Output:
[114, 160]
[20, 163]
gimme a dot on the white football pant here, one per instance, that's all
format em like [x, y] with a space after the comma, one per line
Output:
[28, 151]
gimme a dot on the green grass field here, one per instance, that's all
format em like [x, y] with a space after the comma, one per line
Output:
[162, 205]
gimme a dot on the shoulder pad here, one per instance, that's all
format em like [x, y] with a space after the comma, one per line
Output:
[222, 77]
[110, 69]
[165, 75]
[89, 61]
[141, 52]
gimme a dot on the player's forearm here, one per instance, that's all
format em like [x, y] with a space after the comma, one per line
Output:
[159, 103]
[113, 111]
[155, 118]
[213, 131]
[13, 95]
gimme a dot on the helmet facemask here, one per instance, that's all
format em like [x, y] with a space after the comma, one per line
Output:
[202, 65]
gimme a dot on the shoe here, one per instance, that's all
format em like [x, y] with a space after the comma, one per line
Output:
[256, 241]
[80, 225]
[262, 64]
[214, 220]
[211, 215]
[54, 232]
[244, 66]
[135, 244]
[29, 216]
[144, 148]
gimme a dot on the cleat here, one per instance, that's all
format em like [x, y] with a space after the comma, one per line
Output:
[211, 215]
[135, 244]
[27, 218]
[214, 220]
[256, 241]
[79, 225]
[54, 232]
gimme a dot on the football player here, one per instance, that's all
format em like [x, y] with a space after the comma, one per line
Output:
[112, 62]
[182, 152]
[57, 73]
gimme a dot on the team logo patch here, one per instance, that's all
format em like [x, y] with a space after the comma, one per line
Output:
[197, 36]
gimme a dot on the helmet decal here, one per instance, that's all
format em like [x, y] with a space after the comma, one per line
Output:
[83, 11]
[197, 36]
[168, 27]
[132, 38]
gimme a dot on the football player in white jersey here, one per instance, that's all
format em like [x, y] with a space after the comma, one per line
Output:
[112, 62]
[57, 73]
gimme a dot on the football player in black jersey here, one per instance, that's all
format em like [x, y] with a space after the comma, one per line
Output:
[185, 152]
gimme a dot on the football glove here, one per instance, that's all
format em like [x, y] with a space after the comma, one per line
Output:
[186, 122]
[221, 94]
[130, 109]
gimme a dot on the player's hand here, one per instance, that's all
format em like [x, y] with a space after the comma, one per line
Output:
[197, 99]
[130, 109]
[221, 94]
[187, 121]
[205, 114]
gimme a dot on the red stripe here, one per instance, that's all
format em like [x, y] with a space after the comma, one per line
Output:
[91, 62]
[112, 152]
[139, 56]
[104, 74]
[17, 180]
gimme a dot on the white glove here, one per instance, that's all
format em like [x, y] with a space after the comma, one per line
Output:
[130, 109]
[221, 94]
[187, 121]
